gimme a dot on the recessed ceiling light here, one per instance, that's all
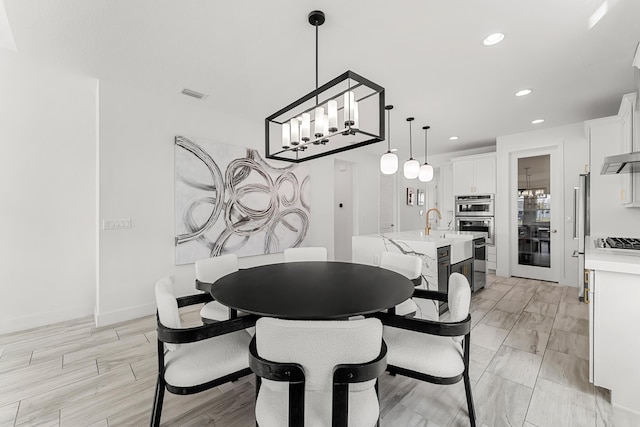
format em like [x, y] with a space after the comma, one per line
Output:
[536, 121]
[493, 39]
[453, 138]
[523, 92]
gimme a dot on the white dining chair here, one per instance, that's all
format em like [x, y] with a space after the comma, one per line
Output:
[208, 271]
[317, 373]
[409, 266]
[305, 254]
[431, 351]
[191, 360]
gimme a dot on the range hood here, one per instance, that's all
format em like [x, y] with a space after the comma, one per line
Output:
[621, 163]
[628, 162]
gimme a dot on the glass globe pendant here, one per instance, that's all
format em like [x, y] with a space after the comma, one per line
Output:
[426, 170]
[389, 160]
[411, 166]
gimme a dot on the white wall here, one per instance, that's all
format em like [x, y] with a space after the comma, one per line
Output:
[137, 181]
[570, 139]
[47, 194]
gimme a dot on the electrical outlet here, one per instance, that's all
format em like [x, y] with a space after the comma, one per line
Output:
[376, 259]
[116, 224]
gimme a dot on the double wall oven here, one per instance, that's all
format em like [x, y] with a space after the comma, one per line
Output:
[475, 213]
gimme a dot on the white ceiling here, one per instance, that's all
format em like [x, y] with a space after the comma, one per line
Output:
[254, 57]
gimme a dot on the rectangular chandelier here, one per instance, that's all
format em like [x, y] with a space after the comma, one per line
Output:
[343, 114]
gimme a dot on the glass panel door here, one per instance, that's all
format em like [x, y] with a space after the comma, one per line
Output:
[534, 211]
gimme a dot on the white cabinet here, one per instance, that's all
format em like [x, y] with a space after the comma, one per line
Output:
[491, 257]
[614, 343]
[474, 174]
[463, 177]
[630, 186]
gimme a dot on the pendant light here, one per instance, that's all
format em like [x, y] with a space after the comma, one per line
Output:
[389, 160]
[411, 166]
[426, 170]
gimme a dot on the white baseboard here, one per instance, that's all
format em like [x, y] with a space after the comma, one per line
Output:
[129, 313]
[43, 319]
[633, 412]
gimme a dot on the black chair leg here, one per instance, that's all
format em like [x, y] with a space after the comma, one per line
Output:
[156, 413]
[258, 383]
[377, 387]
[467, 389]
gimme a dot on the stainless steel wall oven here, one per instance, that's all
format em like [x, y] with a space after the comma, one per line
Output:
[477, 224]
[475, 213]
[474, 205]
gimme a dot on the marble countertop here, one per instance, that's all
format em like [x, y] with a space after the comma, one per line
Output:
[616, 260]
[473, 234]
[439, 237]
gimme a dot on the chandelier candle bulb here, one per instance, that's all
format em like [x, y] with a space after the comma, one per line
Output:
[347, 110]
[295, 131]
[325, 129]
[319, 122]
[305, 132]
[332, 110]
[356, 116]
[286, 135]
[352, 107]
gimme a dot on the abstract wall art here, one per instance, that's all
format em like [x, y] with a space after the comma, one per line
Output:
[228, 199]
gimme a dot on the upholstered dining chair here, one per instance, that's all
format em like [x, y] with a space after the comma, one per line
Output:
[305, 254]
[436, 352]
[409, 266]
[317, 373]
[194, 359]
[208, 271]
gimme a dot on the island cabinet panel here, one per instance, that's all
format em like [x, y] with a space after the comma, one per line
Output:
[367, 250]
[444, 270]
[436, 251]
[465, 268]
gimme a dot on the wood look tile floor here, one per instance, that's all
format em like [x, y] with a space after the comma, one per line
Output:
[529, 367]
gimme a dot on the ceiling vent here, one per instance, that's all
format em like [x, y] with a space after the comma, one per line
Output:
[192, 93]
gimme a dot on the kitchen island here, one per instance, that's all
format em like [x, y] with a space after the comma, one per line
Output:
[614, 342]
[439, 251]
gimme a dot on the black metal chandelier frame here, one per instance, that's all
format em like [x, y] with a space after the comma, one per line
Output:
[339, 139]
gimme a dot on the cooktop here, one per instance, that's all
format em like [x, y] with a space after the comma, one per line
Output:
[619, 243]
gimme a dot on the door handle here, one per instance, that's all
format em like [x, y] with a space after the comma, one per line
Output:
[575, 212]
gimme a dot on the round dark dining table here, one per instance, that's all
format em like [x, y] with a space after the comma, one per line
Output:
[312, 290]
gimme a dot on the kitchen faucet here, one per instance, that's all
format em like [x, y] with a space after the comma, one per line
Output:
[427, 225]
